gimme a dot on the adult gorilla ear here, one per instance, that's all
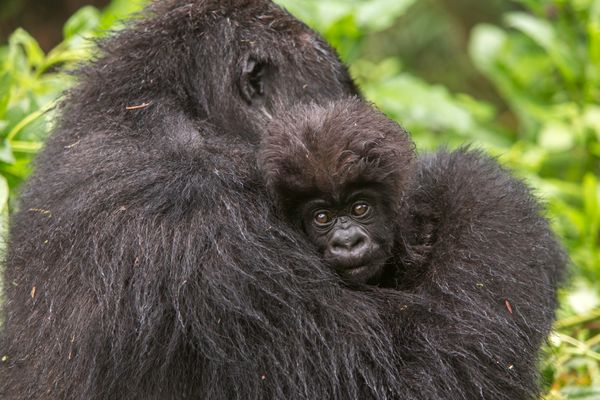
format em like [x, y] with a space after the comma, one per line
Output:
[252, 80]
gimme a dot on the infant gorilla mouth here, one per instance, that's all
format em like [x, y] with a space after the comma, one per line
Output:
[361, 262]
[362, 273]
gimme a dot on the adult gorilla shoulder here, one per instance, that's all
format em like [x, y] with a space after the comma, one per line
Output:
[144, 262]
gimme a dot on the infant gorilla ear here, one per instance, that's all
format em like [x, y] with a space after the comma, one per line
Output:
[337, 173]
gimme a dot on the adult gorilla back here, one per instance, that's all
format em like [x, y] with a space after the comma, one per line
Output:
[144, 262]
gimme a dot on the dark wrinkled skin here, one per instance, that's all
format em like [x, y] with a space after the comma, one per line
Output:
[355, 243]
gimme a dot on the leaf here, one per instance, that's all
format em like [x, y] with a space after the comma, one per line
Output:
[591, 119]
[6, 154]
[583, 298]
[485, 45]
[594, 40]
[83, 22]
[33, 51]
[591, 200]
[556, 136]
[370, 15]
[331, 12]
[5, 92]
[118, 11]
[543, 33]
[412, 101]
[3, 194]
[377, 15]
[537, 29]
[582, 393]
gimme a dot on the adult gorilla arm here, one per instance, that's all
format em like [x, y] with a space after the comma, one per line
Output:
[478, 293]
[178, 284]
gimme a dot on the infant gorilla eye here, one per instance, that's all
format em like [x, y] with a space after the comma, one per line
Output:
[360, 209]
[323, 217]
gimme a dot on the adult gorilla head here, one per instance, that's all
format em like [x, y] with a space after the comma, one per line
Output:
[227, 63]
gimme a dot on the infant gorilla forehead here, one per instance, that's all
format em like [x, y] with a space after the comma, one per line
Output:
[338, 172]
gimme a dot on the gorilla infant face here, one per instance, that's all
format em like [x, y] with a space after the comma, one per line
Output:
[337, 172]
[352, 231]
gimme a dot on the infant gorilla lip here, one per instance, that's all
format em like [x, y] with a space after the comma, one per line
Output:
[360, 269]
[361, 272]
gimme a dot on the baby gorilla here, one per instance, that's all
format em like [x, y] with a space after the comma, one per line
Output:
[453, 250]
[338, 174]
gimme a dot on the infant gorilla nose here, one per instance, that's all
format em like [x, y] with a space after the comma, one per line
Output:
[351, 243]
[354, 255]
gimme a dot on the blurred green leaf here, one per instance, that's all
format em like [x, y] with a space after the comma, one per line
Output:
[35, 55]
[540, 31]
[556, 136]
[82, 23]
[584, 298]
[117, 12]
[3, 195]
[591, 201]
[486, 42]
[5, 85]
[377, 15]
[6, 154]
[582, 393]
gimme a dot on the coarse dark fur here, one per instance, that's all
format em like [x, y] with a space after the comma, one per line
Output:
[144, 262]
[321, 148]
[471, 281]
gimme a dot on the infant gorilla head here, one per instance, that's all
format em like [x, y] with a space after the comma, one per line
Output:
[337, 173]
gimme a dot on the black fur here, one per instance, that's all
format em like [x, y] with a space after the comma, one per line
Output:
[143, 263]
[474, 269]
[321, 149]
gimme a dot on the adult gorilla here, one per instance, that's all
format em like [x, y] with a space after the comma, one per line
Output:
[143, 262]
[146, 263]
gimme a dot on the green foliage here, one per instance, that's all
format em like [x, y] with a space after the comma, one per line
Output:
[345, 23]
[32, 81]
[544, 63]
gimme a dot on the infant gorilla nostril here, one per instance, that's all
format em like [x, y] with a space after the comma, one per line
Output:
[348, 243]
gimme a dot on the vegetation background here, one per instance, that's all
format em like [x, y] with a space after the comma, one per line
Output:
[518, 78]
